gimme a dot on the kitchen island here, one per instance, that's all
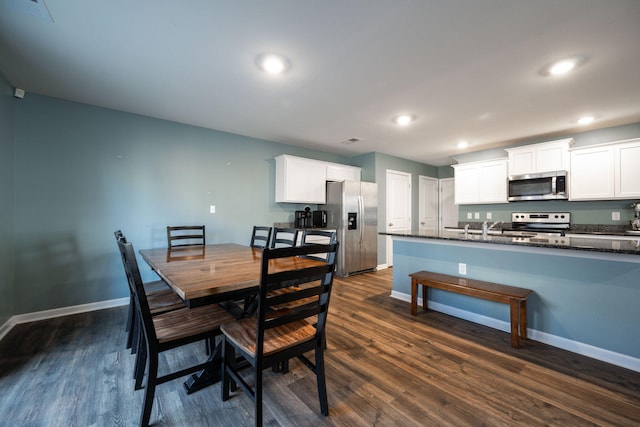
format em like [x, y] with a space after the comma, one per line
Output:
[586, 290]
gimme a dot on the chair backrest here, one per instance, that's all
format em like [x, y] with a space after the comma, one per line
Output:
[137, 288]
[261, 236]
[318, 237]
[185, 235]
[308, 289]
[284, 237]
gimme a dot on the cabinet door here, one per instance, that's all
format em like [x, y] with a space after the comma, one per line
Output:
[300, 180]
[493, 182]
[551, 158]
[592, 175]
[522, 161]
[337, 172]
[467, 184]
[627, 169]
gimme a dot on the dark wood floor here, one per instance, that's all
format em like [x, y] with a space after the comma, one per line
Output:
[385, 368]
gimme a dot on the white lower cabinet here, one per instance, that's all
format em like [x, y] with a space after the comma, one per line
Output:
[481, 182]
[608, 171]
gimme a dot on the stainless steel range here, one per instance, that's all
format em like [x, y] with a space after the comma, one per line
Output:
[537, 224]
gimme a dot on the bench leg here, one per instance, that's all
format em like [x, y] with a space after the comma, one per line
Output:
[414, 296]
[514, 316]
[523, 319]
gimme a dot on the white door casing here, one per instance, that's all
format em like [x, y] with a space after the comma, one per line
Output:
[398, 195]
[427, 203]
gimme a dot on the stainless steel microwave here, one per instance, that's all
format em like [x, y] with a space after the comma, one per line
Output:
[538, 186]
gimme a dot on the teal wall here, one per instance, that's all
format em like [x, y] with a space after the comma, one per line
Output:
[583, 300]
[6, 199]
[585, 212]
[82, 172]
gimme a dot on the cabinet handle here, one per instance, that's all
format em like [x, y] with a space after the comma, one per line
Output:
[390, 224]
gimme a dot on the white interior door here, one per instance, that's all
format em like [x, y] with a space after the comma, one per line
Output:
[428, 203]
[448, 207]
[398, 194]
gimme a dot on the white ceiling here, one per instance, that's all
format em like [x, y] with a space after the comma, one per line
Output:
[468, 69]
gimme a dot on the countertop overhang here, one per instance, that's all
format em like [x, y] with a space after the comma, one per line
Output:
[574, 246]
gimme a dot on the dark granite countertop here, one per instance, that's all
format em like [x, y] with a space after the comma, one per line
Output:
[605, 245]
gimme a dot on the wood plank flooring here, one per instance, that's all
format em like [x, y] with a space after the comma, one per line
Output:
[384, 368]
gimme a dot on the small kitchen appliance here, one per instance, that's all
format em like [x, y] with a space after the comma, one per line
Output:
[635, 222]
[303, 219]
[319, 219]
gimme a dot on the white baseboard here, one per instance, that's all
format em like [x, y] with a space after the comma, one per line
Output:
[588, 350]
[381, 267]
[57, 312]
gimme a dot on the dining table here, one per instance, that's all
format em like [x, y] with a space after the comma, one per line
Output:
[216, 273]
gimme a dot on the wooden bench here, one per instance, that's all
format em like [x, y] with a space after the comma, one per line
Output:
[514, 296]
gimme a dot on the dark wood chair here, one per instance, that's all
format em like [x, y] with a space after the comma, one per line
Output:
[185, 236]
[167, 331]
[261, 236]
[272, 337]
[284, 237]
[318, 237]
[161, 299]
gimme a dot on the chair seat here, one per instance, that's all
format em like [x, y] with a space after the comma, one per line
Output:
[188, 322]
[243, 335]
[164, 300]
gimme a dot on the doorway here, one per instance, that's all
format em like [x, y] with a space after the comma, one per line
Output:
[398, 194]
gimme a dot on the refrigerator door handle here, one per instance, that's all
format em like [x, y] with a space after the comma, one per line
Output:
[361, 216]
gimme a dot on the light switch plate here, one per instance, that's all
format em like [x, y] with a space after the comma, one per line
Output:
[462, 268]
[476, 215]
[469, 215]
[489, 215]
[212, 209]
[615, 216]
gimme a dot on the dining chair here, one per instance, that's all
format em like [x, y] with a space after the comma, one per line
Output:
[261, 236]
[318, 236]
[273, 336]
[161, 299]
[166, 331]
[284, 237]
[185, 236]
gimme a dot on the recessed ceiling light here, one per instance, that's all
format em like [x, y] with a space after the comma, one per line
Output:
[564, 66]
[404, 119]
[463, 144]
[585, 120]
[273, 63]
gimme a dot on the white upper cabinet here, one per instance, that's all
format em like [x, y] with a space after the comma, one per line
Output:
[544, 157]
[300, 180]
[481, 182]
[607, 171]
[337, 172]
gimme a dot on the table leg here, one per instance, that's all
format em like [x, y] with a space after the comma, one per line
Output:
[425, 297]
[514, 318]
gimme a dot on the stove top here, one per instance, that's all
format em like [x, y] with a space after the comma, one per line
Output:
[538, 223]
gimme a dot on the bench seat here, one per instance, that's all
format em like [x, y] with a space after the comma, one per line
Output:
[514, 296]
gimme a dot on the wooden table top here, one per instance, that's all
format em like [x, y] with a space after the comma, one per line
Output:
[214, 270]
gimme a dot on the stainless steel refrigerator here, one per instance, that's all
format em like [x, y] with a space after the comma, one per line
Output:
[352, 210]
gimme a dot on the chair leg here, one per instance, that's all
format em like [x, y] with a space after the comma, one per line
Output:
[140, 365]
[257, 393]
[130, 320]
[150, 390]
[322, 384]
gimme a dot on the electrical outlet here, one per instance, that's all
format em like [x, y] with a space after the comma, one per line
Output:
[469, 215]
[489, 215]
[615, 216]
[462, 268]
[476, 215]
[212, 209]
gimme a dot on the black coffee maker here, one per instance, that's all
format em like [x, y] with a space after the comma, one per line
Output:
[303, 219]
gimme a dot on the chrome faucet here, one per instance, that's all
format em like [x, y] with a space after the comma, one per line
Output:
[486, 227]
